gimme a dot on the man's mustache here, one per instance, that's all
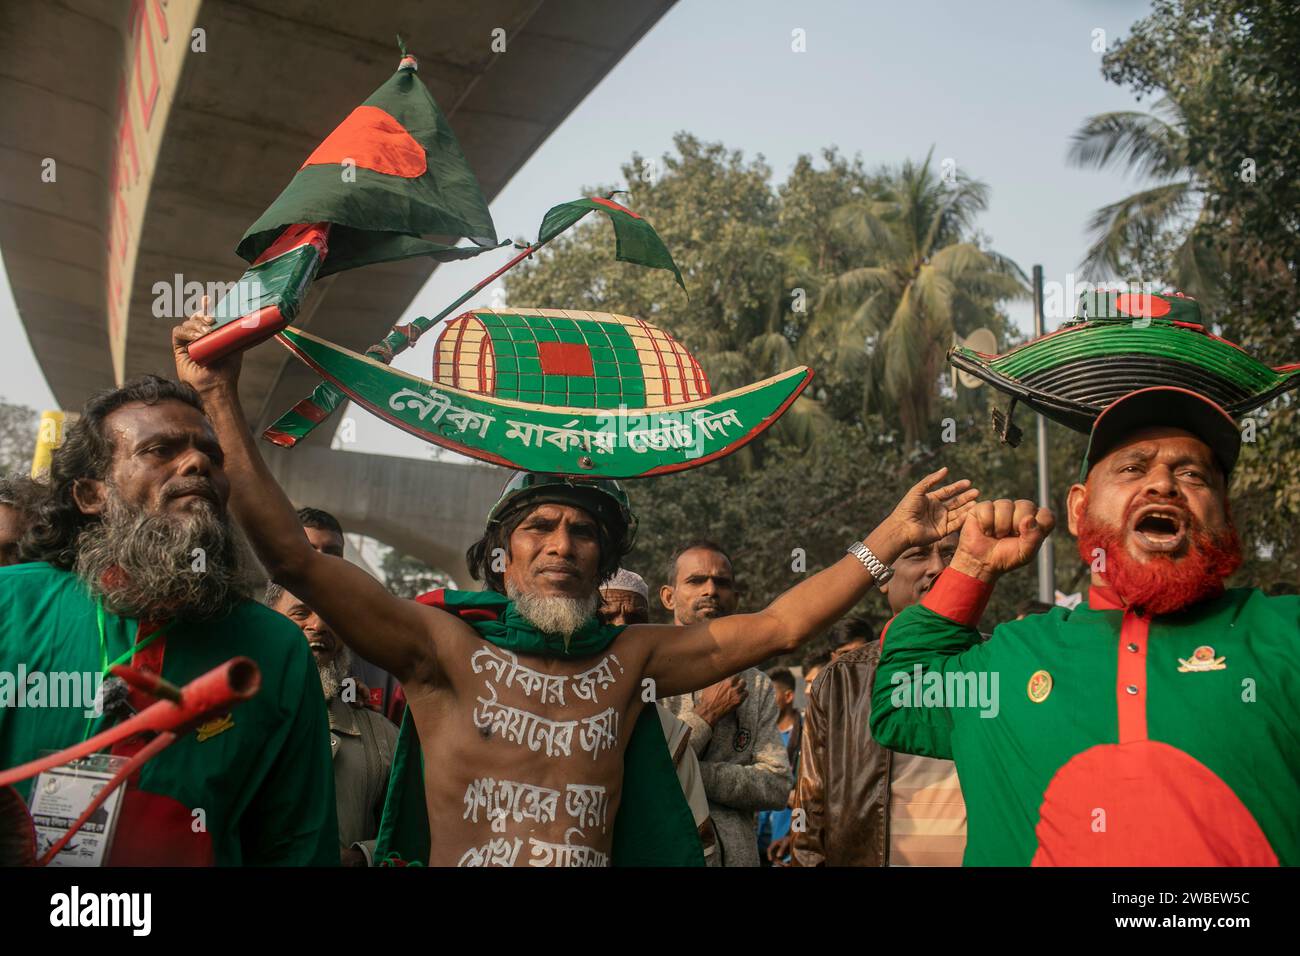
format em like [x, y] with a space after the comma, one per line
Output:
[192, 486]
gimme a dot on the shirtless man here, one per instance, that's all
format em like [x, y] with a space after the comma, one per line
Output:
[552, 726]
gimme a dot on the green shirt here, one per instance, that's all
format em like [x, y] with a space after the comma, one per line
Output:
[264, 784]
[1100, 737]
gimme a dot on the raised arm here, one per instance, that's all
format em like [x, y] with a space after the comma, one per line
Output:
[939, 634]
[682, 659]
[396, 635]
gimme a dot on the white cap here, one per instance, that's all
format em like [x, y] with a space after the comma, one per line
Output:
[626, 580]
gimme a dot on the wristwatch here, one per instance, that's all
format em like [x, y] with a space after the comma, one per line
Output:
[879, 573]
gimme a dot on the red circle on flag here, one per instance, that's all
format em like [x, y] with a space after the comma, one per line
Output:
[372, 139]
[1141, 304]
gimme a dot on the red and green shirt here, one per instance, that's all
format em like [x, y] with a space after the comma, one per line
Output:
[1102, 737]
[262, 776]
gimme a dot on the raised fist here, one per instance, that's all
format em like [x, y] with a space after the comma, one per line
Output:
[1000, 536]
[223, 373]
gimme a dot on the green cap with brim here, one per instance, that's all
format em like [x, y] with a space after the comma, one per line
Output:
[1168, 407]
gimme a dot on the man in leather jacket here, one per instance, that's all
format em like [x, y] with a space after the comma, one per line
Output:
[864, 805]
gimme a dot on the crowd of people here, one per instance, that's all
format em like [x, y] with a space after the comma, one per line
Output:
[545, 720]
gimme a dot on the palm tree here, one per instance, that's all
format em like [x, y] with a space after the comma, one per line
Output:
[1153, 146]
[889, 322]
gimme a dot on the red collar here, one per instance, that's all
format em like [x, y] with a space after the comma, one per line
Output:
[1102, 597]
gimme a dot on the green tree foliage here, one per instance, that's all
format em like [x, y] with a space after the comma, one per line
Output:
[1145, 234]
[1220, 214]
[919, 278]
[1231, 68]
[757, 258]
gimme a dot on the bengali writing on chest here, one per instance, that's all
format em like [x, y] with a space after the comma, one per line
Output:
[503, 802]
[504, 851]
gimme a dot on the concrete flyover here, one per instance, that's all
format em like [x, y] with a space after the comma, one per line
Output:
[139, 138]
[430, 510]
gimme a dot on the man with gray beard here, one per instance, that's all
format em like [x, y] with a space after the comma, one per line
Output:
[130, 557]
[361, 741]
[528, 712]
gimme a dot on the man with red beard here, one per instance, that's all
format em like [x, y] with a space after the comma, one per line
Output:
[1153, 725]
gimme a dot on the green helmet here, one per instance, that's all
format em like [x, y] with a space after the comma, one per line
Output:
[603, 498]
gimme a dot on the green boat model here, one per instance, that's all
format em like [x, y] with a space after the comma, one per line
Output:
[594, 432]
[573, 392]
[1117, 343]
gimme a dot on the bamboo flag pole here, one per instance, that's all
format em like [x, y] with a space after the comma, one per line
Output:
[297, 423]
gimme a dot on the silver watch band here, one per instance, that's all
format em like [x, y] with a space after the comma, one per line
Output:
[879, 572]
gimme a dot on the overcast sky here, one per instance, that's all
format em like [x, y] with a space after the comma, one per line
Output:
[998, 88]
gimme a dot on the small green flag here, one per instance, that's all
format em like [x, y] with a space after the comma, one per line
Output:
[636, 239]
[390, 174]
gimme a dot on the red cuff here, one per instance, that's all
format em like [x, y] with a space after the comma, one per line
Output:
[958, 597]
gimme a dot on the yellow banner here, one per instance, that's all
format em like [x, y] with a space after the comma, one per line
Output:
[49, 437]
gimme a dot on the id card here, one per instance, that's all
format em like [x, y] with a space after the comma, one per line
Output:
[61, 795]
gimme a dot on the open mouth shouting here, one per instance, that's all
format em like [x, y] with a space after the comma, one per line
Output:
[322, 647]
[1159, 529]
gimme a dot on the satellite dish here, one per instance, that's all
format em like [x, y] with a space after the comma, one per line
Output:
[981, 340]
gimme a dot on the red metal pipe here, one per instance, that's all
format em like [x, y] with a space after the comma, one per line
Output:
[236, 680]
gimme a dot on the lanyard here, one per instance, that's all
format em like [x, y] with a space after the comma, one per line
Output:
[130, 651]
[107, 665]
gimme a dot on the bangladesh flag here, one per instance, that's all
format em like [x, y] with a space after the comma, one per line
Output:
[390, 174]
[267, 296]
[635, 239]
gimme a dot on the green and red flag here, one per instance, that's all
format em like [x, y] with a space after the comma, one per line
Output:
[389, 174]
[635, 239]
[390, 182]
[636, 242]
[268, 295]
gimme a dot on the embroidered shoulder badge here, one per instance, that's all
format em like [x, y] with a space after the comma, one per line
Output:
[1040, 685]
[218, 725]
[741, 740]
[1202, 659]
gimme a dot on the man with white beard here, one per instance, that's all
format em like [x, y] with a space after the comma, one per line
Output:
[130, 557]
[361, 740]
[531, 715]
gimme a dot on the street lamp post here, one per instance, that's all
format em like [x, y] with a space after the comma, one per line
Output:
[1046, 563]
